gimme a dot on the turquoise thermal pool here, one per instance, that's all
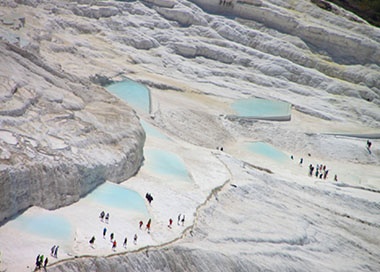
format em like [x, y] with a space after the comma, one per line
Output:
[132, 92]
[152, 131]
[255, 107]
[45, 225]
[266, 150]
[166, 163]
[114, 195]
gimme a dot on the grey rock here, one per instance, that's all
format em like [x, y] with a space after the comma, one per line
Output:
[61, 135]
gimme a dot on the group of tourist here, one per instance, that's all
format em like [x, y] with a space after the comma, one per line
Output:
[149, 197]
[180, 221]
[104, 217]
[113, 240]
[227, 3]
[321, 170]
[42, 261]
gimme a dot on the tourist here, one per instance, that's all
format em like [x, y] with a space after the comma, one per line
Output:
[102, 216]
[148, 225]
[311, 169]
[325, 174]
[46, 262]
[111, 236]
[92, 241]
[336, 177]
[104, 232]
[179, 219]
[38, 265]
[301, 161]
[149, 197]
[183, 220]
[125, 242]
[135, 239]
[369, 144]
[170, 223]
[107, 217]
[114, 245]
[52, 251]
[140, 224]
[56, 251]
[41, 260]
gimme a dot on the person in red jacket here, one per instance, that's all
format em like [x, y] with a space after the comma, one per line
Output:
[148, 225]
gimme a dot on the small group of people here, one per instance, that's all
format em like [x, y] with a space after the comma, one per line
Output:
[112, 235]
[226, 3]
[320, 171]
[41, 261]
[112, 239]
[141, 223]
[149, 197]
[104, 217]
[54, 251]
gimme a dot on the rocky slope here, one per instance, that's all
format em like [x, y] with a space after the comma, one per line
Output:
[60, 134]
[260, 223]
[56, 123]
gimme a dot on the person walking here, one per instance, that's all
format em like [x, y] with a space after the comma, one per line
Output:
[52, 251]
[111, 237]
[183, 220]
[140, 224]
[148, 225]
[92, 241]
[170, 223]
[102, 216]
[114, 245]
[104, 233]
[179, 219]
[135, 239]
[56, 251]
[125, 242]
[38, 262]
[369, 144]
[41, 260]
[46, 262]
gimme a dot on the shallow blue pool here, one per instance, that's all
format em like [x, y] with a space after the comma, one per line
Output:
[45, 225]
[255, 107]
[132, 92]
[152, 131]
[114, 195]
[266, 150]
[166, 163]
